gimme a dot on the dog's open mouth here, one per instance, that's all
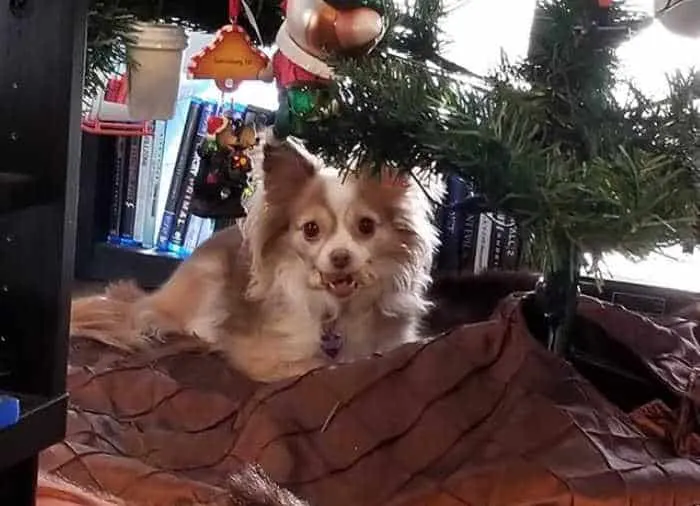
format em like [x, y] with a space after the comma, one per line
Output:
[340, 285]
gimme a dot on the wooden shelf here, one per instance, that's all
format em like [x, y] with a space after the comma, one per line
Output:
[18, 191]
[42, 423]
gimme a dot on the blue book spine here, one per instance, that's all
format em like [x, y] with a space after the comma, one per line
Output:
[182, 213]
[452, 225]
[182, 162]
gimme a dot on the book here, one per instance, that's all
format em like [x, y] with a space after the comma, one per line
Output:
[470, 233]
[182, 211]
[483, 243]
[194, 228]
[118, 170]
[257, 117]
[207, 230]
[452, 226]
[499, 225]
[126, 232]
[182, 163]
[512, 247]
[156, 164]
[142, 194]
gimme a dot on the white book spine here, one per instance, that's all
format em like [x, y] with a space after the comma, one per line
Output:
[483, 243]
[194, 228]
[142, 193]
[151, 215]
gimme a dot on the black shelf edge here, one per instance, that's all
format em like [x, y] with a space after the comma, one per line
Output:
[18, 191]
[648, 299]
[112, 262]
[42, 423]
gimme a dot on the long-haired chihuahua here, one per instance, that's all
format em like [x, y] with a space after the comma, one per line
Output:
[324, 268]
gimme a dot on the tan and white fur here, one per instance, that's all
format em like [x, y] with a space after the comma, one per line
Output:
[315, 251]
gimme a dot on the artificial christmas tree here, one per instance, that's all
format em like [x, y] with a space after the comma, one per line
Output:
[545, 140]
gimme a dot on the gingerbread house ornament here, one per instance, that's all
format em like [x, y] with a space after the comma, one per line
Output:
[229, 59]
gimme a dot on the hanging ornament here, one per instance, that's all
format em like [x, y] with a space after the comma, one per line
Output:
[155, 60]
[311, 31]
[680, 17]
[231, 57]
[224, 168]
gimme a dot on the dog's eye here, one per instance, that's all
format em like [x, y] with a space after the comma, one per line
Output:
[366, 226]
[310, 230]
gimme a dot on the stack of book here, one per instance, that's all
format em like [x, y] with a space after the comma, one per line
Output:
[153, 179]
[474, 243]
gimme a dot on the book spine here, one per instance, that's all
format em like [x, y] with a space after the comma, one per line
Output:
[257, 117]
[469, 224]
[483, 243]
[115, 212]
[194, 228]
[142, 194]
[512, 249]
[179, 173]
[151, 217]
[182, 212]
[451, 229]
[498, 240]
[467, 254]
[206, 232]
[131, 190]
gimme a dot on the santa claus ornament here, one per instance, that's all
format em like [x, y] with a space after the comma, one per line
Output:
[313, 30]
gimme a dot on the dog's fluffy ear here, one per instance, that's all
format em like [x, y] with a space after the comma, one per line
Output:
[286, 169]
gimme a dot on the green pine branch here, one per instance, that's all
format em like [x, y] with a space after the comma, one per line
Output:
[544, 139]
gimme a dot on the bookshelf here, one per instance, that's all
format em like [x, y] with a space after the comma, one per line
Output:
[97, 259]
[40, 85]
[107, 168]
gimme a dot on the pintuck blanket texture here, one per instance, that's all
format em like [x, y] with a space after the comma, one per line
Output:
[482, 415]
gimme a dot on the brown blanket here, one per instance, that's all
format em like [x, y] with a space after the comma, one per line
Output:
[480, 416]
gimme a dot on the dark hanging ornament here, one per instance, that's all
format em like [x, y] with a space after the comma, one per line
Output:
[224, 168]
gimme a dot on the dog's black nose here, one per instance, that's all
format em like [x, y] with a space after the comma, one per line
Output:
[340, 258]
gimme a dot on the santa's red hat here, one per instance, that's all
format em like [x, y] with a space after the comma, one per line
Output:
[217, 124]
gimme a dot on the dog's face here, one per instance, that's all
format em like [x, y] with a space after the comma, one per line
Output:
[347, 235]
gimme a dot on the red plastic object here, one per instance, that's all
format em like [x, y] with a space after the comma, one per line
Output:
[115, 128]
[116, 91]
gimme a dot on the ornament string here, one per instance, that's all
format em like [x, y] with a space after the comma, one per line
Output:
[234, 9]
[251, 19]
